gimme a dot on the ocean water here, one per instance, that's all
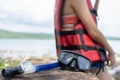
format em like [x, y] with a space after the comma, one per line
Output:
[21, 47]
[36, 47]
[112, 34]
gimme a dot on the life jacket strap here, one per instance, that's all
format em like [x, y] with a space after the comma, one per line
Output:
[81, 32]
[93, 11]
[103, 58]
[76, 47]
[102, 65]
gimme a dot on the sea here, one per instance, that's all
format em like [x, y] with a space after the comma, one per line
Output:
[16, 48]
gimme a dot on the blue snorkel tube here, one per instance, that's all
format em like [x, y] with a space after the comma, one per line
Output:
[27, 68]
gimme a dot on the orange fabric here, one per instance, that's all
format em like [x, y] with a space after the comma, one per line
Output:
[70, 19]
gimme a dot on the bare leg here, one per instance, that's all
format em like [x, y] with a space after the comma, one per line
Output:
[104, 75]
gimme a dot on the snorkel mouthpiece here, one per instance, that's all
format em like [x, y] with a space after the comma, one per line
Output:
[11, 72]
[25, 68]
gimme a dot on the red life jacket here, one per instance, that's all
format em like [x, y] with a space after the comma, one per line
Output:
[77, 39]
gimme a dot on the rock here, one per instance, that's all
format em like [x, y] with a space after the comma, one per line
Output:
[115, 72]
[117, 75]
[55, 74]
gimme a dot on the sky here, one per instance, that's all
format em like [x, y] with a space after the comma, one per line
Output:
[27, 15]
[38, 15]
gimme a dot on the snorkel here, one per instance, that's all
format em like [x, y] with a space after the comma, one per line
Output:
[27, 68]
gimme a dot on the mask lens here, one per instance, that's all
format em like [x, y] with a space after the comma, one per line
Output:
[83, 63]
[66, 57]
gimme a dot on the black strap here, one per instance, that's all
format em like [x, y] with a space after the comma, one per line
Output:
[93, 11]
[102, 55]
[82, 40]
[75, 47]
[102, 65]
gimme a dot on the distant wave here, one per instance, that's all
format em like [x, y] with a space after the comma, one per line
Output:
[112, 38]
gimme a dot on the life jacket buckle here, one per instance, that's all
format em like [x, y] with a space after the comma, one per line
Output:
[97, 48]
[84, 47]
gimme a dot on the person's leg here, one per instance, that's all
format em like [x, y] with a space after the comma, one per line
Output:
[105, 75]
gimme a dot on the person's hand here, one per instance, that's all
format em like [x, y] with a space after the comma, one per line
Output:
[112, 59]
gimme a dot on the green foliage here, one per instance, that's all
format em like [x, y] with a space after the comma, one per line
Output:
[8, 63]
[1, 64]
[18, 35]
